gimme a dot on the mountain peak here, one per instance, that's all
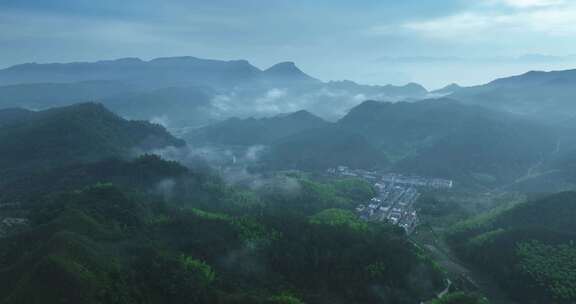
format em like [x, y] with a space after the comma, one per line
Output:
[287, 67]
[287, 71]
[300, 115]
[453, 86]
[414, 85]
[449, 89]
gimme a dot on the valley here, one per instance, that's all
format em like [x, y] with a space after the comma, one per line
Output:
[287, 152]
[399, 198]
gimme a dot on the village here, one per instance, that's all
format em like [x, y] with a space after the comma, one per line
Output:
[396, 195]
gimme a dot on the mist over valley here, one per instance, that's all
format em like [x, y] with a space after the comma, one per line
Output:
[413, 152]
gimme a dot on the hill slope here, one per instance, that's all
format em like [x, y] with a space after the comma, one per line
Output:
[445, 138]
[82, 132]
[101, 244]
[254, 131]
[13, 115]
[46, 95]
[545, 96]
[324, 148]
[439, 138]
[528, 248]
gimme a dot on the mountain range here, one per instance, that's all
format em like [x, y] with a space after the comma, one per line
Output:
[500, 132]
[543, 96]
[238, 88]
[104, 221]
[147, 89]
[436, 137]
[156, 73]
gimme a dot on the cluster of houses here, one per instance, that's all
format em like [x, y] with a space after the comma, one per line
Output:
[396, 195]
[395, 203]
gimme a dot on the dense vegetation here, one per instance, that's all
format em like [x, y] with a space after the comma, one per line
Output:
[253, 131]
[324, 148]
[109, 245]
[104, 227]
[84, 132]
[447, 139]
[528, 248]
[109, 223]
[144, 173]
[441, 138]
[13, 115]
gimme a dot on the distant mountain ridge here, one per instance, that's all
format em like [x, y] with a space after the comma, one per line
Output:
[149, 89]
[193, 70]
[287, 71]
[386, 92]
[449, 89]
[159, 72]
[535, 78]
[150, 74]
[544, 96]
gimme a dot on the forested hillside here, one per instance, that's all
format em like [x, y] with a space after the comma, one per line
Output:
[207, 243]
[85, 132]
[252, 131]
[443, 138]
[287, 152]
[529, 248]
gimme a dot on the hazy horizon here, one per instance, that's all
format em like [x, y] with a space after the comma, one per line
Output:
[371, 42]
[406, 66]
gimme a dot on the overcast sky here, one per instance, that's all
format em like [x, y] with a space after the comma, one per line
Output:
[433, 42]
